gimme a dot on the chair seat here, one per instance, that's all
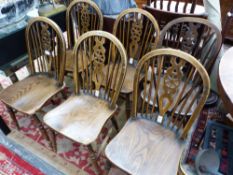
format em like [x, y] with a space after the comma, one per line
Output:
[30, 94]
[143, 147]
[127, 86]
[70, 61]
[199, 9]
[80, 118]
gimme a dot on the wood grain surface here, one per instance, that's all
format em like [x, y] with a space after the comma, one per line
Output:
[30, 94]
[145, 148]
[80, 117]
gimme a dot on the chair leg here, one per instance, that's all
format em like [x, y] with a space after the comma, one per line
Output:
[53, 140]
[13, 117]
[114, 123]
[127, 106]
[42, 129]
[94, 160]
[63, 93]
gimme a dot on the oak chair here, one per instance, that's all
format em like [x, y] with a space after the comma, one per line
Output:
[151, 142]
[46, 53]
[81, 16]
[82, 116]
[139, 33]
[196, 36]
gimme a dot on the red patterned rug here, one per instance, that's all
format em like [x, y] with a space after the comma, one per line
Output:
[72, 152]
[12, 164]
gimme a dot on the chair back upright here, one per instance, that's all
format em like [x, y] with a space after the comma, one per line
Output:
[82, 16]
[107, 61]
[46, 47]
[138, 31]
[176, 84]
[195, 36]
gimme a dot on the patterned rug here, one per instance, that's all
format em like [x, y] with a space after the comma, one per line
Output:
[12, 164]
[72, 152]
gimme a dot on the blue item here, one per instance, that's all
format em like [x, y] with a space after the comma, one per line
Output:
[114, 7]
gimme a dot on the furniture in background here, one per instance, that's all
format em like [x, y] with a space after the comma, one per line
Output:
[174, 92]
[46, 51]
[139, 32]
[228, 26]
[81, 16]
[196, 36]
[164, 16]
[82, 116]
[225, 80]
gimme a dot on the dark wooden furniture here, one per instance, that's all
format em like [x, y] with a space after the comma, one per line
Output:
[18, 40]
[46, 51]
[225, 80]
[228, 26]
[150, 143]
[196, 36]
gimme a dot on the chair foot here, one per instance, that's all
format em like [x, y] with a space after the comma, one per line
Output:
[13, 117]
[42, 130]
[94, 160]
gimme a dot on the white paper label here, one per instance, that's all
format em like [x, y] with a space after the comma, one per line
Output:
[97, 93]
[131, 61]
[159, 119]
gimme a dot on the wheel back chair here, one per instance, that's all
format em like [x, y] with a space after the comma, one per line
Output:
[82, 116]
[81, 16]
[195, 36]
[46, 53]
[175, 90]
[167, 10]
[139, 33]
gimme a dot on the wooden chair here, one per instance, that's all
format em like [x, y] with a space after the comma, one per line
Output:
[82, 116]
[166, 11]
[151, 142]
[46, 52]
[195, 36]
[139, 33]
[81, 16]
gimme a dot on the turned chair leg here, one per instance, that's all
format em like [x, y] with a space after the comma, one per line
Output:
[13, 117]
[42, 129]
[94, 160]
[53, 140]
[127, 106]
[114, 123]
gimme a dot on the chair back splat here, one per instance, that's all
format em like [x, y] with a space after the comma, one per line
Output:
[175, 89]
[138, 31]
[46, 47]
[102, 65]
[195, 36]
[82, 16]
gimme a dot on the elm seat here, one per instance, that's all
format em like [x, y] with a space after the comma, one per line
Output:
[80, 117]
[30, 94]
[70, 61]
[137, 148]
